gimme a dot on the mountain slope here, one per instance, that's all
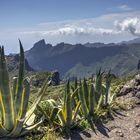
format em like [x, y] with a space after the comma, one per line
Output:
[13, 64]
[66, 57]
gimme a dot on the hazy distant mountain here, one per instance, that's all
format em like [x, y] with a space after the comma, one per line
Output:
[81, 60]
[98, 45]
[134, 41]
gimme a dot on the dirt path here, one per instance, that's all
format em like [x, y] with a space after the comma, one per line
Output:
[123, 127]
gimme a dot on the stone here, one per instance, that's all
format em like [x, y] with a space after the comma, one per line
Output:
[138, 94]
[55, 79]
[125, 90]
[138, 87]
[137, 79]
[137, 125]
[119, 133]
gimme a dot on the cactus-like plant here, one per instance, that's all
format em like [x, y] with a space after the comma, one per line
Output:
[49, 109]
[99, 86]
[109, 78]
[15, 118]
[92, 96]
[87, 104]
[67, 112]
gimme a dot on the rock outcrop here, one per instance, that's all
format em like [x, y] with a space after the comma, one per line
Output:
[131, 90]
[55, 78]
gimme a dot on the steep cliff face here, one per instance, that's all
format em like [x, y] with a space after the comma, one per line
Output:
[13, 61]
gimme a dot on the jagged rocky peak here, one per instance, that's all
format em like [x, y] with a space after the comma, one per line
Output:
[41, 44]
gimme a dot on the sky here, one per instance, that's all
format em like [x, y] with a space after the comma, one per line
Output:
[70, 21]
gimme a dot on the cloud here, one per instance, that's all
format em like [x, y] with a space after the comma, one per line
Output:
[70, 30]
[121, 8]
[131, 25]
[98, 29]
[124, 8]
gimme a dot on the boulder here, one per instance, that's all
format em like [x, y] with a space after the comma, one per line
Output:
[55, 78]
[132, 86]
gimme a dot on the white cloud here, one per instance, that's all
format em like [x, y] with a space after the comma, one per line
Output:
[121, 8]
[70, 30]
[99, 29]
[124, 8]
[131, 25]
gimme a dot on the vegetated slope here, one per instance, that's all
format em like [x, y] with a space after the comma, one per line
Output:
[13, 64]
[78, 60]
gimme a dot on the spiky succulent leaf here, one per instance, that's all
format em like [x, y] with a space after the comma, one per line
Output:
[109, 78]
[54, 113]
[86, 92]
[25, 98]
[7, 102]
[20, 79]
[91, 100]
[68, 105]
[76, 111]
[83, 102]
[36, 102]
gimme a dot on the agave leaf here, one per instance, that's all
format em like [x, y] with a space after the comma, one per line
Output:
[30, 128]
[6, 94]
[83, 102]
[43, 112]
[98, 81]
[54, 113]
[17, 128]
[33, 126]
[15, 79]
[109, 78]
[68, 105]
[51, 102]
[111, 98]
[74, 96]
[25, 99]
[62, 117]
[91, 100]
[98, 85]
[36, 102]
[66, 94]
[74, 93]
[86, 92]
[3, 131]
[2, 111]
[20, 79]
[76, 111]
[30, 120]
[72, 88]
[100, 102]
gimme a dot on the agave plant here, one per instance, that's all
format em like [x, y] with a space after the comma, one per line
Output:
[99, 86]
[49, 109]
[68, 112]
[15, 118]
[105, 100]
[108, 97]
[87, 98]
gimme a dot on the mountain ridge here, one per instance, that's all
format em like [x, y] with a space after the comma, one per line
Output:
[66, 57]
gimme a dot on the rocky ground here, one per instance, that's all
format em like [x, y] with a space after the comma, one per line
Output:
[126, 125]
